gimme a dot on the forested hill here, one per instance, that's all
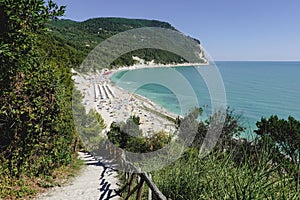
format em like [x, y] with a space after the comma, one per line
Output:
[81, 37]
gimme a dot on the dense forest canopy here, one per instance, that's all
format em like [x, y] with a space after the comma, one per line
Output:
[82, 37]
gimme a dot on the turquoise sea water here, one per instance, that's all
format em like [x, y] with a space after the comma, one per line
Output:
[253, 89]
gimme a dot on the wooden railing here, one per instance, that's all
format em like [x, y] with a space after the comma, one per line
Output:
[135, 178]
[141, 178]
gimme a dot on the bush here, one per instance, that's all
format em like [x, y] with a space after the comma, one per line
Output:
[37, 133]
[129, 137]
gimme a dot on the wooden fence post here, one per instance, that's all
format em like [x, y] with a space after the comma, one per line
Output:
[153, 187]
[149, 189]
[140, 190]
[131, 183]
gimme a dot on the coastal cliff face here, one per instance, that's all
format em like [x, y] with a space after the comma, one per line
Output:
[82, 37]
[202, 54]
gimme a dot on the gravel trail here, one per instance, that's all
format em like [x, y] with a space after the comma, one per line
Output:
[94, 182]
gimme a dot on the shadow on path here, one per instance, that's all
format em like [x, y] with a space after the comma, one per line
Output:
[107, 180]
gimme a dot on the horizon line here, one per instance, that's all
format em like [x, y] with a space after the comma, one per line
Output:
[256, 60]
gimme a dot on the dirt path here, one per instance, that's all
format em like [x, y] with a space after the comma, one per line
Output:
[95, 182]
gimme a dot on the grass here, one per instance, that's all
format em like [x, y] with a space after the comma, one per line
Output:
[218, 176]
[25, 187]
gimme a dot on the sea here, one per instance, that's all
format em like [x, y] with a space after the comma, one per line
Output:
[253, 89]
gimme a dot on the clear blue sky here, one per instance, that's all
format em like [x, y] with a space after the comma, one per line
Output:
[228, 29]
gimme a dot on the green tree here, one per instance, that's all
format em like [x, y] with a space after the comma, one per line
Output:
[231, 127]
[20, 22]
[37, 133]
[128, 136]
[283, 139]
[158, 141]
[90, 128]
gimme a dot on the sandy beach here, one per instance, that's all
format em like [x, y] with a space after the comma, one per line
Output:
[116, 104]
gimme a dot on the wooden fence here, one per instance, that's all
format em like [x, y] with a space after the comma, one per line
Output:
[135, 178]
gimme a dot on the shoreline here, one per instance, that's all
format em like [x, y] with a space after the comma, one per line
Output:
[153, 65]
[116, 104]
[149, 65]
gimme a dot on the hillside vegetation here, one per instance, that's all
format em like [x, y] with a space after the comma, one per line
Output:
[37, 135]
[82, 37]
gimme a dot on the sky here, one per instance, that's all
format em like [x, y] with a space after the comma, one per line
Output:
[247, 30]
